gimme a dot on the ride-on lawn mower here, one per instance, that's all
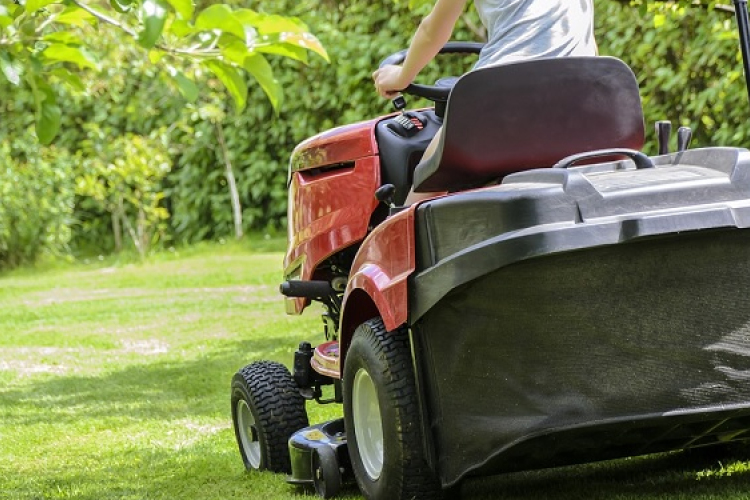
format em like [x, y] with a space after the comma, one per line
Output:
[570, 299]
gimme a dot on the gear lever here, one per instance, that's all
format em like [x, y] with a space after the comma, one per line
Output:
[684, 136]
[663, 133]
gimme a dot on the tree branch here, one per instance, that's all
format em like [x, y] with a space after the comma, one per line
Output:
[208, 53]
[229, 173]
[129, 226]
[104, 18]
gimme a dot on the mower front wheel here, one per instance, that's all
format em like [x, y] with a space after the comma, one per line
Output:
[382, 417]
[326, 472]
[267, 409]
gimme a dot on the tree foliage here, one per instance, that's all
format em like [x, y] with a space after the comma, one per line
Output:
[42, 40]
[686, 60]
[124, 178]
[688, 63]
[36, 201]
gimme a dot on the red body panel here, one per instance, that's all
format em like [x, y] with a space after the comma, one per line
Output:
[329, 210]
[380, 270]
[338, 145]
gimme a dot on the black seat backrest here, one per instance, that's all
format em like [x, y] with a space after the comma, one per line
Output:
[531, 114]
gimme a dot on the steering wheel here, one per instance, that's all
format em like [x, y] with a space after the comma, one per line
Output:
[436, 92]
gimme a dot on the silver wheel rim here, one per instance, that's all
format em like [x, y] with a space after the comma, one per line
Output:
[368, 424]
[246, 424]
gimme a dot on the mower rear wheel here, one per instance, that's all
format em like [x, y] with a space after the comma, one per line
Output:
[382, 417]
[267, 409]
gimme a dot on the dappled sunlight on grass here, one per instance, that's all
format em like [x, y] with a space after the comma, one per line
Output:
[116, 380]
[114, 384]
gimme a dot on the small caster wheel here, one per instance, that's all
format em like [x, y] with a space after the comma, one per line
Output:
[267, 409]
[326, 472]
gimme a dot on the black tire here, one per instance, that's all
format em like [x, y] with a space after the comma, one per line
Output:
[326, 472]
[267, 409]
[385, 359]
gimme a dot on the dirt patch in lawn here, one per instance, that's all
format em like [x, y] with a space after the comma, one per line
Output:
[66, 295]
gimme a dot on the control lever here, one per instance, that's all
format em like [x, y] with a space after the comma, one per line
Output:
[399, 103]
[684, 136]
[663, 133]
[385, 194]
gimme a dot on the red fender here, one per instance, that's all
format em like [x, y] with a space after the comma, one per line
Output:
[378, 278]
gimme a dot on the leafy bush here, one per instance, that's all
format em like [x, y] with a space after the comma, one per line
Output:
[42, 40]
[124, 178]
[36, 201]
[687, 63]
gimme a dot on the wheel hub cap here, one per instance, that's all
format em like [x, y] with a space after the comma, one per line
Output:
[368, 424]
[248, 433]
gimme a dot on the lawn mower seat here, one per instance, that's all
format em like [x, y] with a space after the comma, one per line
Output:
[531, 114]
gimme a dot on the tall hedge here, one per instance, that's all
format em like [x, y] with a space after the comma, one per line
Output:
[687, 64]
[36, 201]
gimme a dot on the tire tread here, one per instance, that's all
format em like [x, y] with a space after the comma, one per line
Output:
[280, 409]
[417, 481]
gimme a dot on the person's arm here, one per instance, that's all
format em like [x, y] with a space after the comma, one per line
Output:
[433, 32]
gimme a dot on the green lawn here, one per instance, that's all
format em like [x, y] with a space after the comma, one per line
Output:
[114, 384]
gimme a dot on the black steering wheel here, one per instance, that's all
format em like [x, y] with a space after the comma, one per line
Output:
[435, 92]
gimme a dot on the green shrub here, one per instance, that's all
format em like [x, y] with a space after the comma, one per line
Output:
[36, 201]
[687, 63]
[123, 177]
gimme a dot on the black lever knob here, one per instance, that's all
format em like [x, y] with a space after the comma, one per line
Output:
[385, 194]
[663, 133]
[399, 103]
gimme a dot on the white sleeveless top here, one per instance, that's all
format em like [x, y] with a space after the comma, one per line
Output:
[528, 29]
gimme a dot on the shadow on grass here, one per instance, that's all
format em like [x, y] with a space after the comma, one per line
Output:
[162, 389]
[210, 469]
[672, 476]
[203, 472]
[175, 389]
